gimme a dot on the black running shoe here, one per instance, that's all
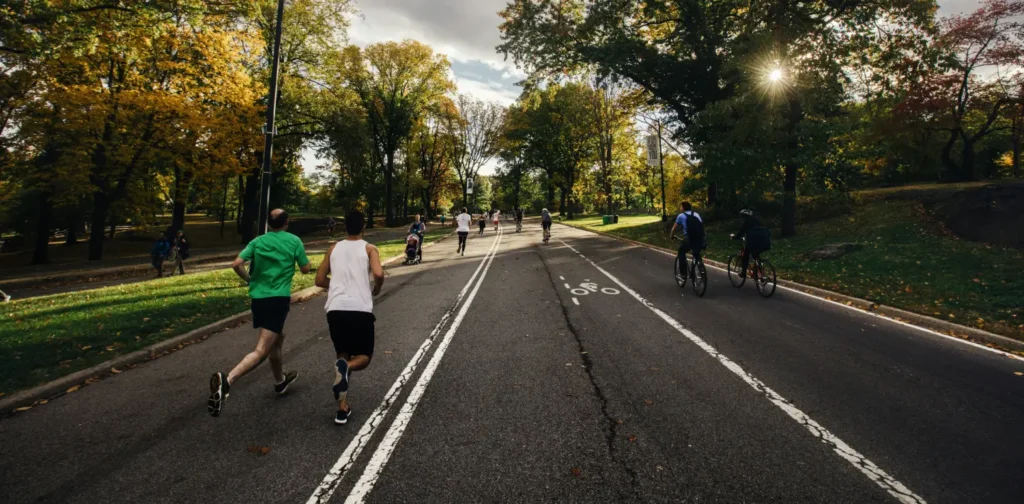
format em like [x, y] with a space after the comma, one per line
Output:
[282, 387]
[340, 378]
[219, 391]
[342, 417]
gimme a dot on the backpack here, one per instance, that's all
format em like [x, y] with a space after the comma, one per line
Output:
[694, 227]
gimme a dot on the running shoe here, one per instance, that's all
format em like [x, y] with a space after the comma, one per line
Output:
[341, 418]
[220, 389]
[7, 298]
[340, 378]
[282, 387]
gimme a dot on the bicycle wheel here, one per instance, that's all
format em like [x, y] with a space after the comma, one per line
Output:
[736, 271]
[680, 279]
[765, 278]
[700, 279]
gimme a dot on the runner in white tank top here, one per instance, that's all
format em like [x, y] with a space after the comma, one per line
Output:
[345, 273]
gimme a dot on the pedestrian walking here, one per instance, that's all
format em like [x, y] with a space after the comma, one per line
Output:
[463, 221]
[181, 245]
[345, 273]
[158, 254]
[273, 256]
[482, 223]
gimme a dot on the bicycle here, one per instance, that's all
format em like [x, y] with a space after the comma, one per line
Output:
[547, 234]
[696, 268]
[761, 270]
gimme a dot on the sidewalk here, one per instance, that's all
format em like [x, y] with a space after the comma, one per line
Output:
[33, 283]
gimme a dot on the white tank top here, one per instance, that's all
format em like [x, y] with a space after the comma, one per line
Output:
[350, 278]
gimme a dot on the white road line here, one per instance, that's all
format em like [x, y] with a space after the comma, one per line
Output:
[330, 483]
[561, 277]
[854, 309]
[873, 472]
[576, 301]
[387, 445]
[567, 286]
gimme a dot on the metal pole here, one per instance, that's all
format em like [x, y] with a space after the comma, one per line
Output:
[661, 162]
[269, 129]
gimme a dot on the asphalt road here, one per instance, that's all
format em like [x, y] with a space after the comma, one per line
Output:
[496, 379]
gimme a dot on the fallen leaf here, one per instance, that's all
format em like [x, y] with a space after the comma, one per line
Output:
[72, 389]
[620, 422]
[24, 408]
[114, 371]
[576, 471]
[1018, 373]
[568, 364]
[43, 401]
[259, 450]
[86, 347]
[648, 402]
[145, 319]
[631, 438]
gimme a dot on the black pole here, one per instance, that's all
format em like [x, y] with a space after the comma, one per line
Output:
[269, 129]
[661, 162]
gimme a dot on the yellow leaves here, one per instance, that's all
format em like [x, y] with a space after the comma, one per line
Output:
[1018, 373]
[72, 389]
[259, 450]
[115, 371]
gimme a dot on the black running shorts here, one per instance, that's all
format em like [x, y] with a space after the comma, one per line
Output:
[351, 332]
[270, 313]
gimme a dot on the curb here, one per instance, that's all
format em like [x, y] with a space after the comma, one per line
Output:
[977, 336]
[58, 387]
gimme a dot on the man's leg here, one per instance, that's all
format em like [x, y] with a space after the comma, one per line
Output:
[746, 263]
[276, 359]
[355, 363]
[684, 246]
[181, 266]
[268, 341]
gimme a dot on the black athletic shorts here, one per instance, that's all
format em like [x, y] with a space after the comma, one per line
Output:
[351, 332]
[545, 225]
[270, 313]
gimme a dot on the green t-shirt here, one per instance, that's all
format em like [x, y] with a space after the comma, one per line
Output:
[276, 254]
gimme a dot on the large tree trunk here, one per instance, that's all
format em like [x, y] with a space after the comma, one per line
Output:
[389, 207]
[551, 192]
[947, 154]
[239, 198]
[250, 208]
[41, 253]
[71, 237]
[100, 210]
[967, 163]
[224, 206]
[789, 183]
[1017, 133]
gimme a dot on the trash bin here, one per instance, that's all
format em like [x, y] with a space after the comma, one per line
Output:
[615, 219]
[606, 219]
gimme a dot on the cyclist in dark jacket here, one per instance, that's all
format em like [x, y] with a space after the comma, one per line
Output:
[759, 238]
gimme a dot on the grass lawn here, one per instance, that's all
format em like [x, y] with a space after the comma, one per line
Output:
[48, 337]
[906, 261]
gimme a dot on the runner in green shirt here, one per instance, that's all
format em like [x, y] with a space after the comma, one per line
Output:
[272, 258]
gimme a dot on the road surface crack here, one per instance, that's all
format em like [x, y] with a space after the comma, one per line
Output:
[612, 430]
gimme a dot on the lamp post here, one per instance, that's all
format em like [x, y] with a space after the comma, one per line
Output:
[270, 130]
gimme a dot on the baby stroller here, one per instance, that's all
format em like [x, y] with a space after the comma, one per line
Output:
[412, 249]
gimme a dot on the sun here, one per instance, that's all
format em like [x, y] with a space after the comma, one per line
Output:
[775, 75]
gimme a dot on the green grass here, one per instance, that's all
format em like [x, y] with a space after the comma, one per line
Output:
[906, 261]
[44, 338]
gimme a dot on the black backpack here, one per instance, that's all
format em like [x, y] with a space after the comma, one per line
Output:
[694, 227]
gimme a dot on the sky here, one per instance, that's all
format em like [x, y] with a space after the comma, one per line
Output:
[467, 32]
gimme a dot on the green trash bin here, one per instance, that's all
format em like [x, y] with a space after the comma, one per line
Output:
[606, 219]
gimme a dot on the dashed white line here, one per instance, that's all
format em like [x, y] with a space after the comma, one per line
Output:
[860, 462]
[567, 286]
[561, 277]
[387, 445]
[576, 301]
[330, 483]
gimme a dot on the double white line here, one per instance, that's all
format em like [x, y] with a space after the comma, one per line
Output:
[380, 457]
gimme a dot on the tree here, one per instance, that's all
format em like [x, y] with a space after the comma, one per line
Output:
[954, 98]
[477, 127]
[396, 83]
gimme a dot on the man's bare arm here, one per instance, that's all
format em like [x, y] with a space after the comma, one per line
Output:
[239, 266]
[375, 268]
[322, 280]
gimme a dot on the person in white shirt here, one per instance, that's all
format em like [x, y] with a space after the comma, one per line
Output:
[463, 221]
[345, 273]
[496, 219]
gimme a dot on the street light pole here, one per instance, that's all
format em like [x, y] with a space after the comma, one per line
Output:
[270, 130]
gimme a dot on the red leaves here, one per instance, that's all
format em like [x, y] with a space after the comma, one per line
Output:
[259, 450]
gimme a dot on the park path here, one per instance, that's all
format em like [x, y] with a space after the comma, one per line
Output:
[574, 372]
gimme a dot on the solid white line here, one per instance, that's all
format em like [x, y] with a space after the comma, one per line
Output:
[577, 301]
[932, 332]
[330, 483]
[387, 445]
[873, 472]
